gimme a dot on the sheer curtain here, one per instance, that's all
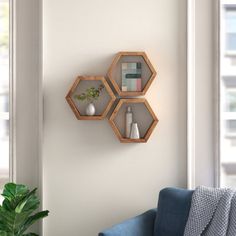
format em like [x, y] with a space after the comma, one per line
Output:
[228, 93]
[4, 92]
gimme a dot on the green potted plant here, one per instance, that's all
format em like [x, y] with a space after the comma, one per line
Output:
[90, 95]
[17, 210]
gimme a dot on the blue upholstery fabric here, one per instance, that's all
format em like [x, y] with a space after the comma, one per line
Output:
[173, 209]
[141, 225]
[170, 219]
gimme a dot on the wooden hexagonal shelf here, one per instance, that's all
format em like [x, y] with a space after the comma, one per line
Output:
[103, 104]
[131, 73]
[142, 114]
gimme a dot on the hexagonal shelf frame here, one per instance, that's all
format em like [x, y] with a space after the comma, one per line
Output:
[130, 101]
[75, 108]
[113, 68]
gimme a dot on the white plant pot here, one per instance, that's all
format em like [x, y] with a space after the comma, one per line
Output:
[134, 134]
[90, 109]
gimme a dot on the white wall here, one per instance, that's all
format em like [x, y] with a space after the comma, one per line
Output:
[90, 180]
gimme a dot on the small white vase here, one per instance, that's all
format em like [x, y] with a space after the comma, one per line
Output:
[90, 109]
[134, 134]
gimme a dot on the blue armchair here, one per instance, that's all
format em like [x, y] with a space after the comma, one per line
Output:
[169, 220]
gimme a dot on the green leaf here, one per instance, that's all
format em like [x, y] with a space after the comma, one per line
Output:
[4, 227]
[32, 204]
[12, 191]
[13, 194]
[14, 221]
[32, 219]
[30, 234]
[29, 202]
[90, 94]
[7, 205]
[3, 233]
[16, 210]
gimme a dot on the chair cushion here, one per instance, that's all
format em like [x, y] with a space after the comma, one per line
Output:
[173, 209]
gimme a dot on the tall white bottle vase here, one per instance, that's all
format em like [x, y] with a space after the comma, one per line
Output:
[128, 122]
[134, 134]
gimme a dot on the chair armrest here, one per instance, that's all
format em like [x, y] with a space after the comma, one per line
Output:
[142, 225]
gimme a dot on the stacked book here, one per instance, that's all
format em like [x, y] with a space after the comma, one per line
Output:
[131, 76]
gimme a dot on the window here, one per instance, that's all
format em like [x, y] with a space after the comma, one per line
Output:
[231, 101]
[228, 94]
[4, 91]
[230, 25]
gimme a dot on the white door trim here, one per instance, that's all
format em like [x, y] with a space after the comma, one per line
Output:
[12, 169]
[191, 94]
[26, 94]
[217, 74]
